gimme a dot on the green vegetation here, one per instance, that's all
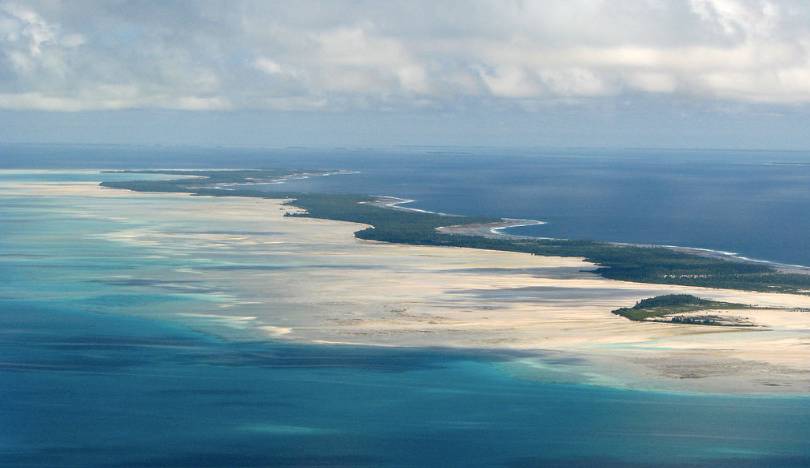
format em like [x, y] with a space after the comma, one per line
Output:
[672, 304]
[621, 262]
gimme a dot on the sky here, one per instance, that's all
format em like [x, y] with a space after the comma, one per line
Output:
[629, 73]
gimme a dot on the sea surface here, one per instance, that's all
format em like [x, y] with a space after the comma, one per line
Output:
[100, 371]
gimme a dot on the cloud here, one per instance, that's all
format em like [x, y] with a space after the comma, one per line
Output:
[368, 55]
[269, 66]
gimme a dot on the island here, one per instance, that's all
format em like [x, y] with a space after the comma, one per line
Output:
[685, 309]
[625, 262]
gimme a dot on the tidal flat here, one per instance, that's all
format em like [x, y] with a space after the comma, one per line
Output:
[261, 274]
[174, 330]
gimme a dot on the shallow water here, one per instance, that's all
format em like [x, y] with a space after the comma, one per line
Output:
[99, 368]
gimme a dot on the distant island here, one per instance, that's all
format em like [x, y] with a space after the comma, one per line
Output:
[645, 264]
[683, 309]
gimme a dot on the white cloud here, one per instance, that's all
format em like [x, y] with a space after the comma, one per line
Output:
[268, 66]
[398, 54]
[652, 82]
[511, 82]
[356, 60]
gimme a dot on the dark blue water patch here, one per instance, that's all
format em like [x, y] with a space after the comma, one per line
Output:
[606, 462]
[238, 457]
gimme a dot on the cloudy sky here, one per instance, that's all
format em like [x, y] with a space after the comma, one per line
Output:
[694, 73]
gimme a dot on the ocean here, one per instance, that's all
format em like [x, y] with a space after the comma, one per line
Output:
[97, 370]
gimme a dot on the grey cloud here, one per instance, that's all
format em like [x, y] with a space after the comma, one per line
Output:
[199, 55]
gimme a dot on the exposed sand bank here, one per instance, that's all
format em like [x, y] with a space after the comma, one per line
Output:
[311, 280]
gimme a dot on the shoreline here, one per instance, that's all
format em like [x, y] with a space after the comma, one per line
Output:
[496, 230]
[733, 256]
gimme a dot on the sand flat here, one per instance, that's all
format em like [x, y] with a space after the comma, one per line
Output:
[310, 280]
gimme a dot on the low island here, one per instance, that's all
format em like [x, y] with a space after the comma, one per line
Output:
[626, 262]
[685, 309]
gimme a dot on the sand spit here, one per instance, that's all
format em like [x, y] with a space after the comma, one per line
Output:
[311, 280]
[492, 230]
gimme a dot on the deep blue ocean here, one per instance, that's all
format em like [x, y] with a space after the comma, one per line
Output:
[86, 380]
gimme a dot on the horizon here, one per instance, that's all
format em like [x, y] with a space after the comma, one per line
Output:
[403, 147]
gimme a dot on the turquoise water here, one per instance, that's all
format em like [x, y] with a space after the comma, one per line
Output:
[101, 372]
